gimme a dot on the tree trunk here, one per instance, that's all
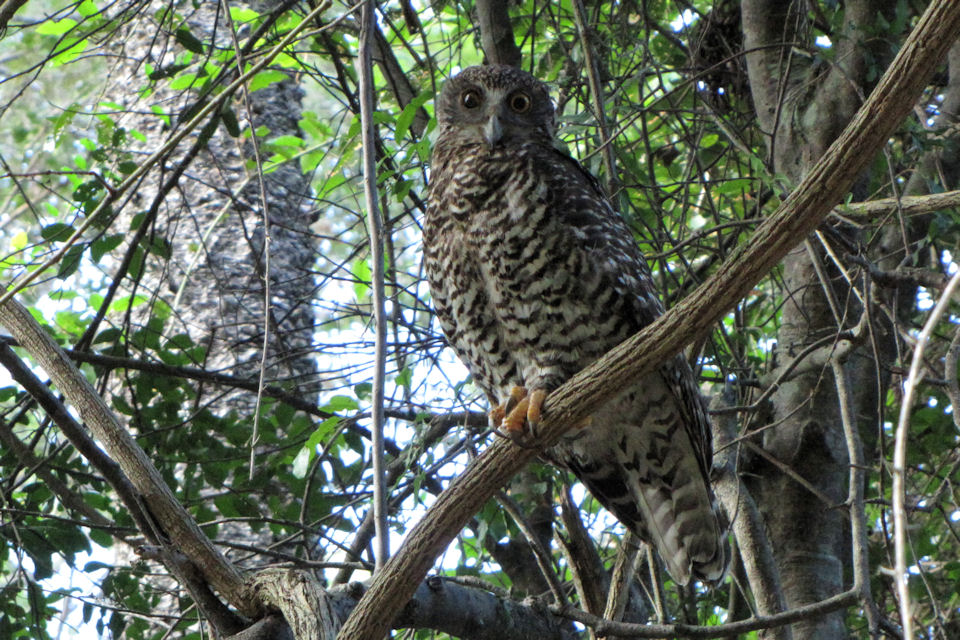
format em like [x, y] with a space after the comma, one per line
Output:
[805, 105]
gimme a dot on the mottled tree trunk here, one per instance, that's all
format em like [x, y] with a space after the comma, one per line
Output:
[213, 222]
[213, 219]
[805, 104]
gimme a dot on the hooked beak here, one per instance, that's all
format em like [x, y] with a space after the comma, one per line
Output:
[492, 130]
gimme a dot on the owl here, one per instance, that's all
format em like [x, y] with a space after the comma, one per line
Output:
[533, 276]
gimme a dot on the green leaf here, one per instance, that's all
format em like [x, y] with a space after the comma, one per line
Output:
[242, 14]
[56, 232]
[71, 260]
[361, 271]
[406, 117]
[70, 50]
[104, 245]
[188, 41]
[338, 404]
[56, 27]
[301, 463]
[87, 8]
[289, 141]
[183, 81]
[266, 78]
[230, 122]
[363, 390]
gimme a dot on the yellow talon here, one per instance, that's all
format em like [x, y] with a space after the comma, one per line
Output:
[499, 412]
[521, 412]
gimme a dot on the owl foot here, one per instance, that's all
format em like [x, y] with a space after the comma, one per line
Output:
[499, 412]
[520, 421]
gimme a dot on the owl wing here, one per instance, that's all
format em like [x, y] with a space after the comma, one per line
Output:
[648, 455]
[612, 254]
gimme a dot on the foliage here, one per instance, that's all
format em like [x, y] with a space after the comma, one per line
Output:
[693, 178]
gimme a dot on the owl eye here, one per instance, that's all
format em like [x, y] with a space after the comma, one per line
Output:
[470, 99]
[520, 102]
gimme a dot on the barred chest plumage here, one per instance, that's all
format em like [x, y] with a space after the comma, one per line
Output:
[513, 291]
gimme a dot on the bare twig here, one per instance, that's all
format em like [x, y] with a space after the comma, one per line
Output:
[596, 95]
[950, 375]
[906, 205]
[858, 518]
[608, 627]
[265, 212]
[747, 524]
[375, 232]
[540, 553]
[581, 554]
[900, 455]
[624, 570]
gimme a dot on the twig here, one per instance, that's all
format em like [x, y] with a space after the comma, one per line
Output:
[900, 455]
[632, 630]
[596, 94]
[265, 212]
[858, 519]
[624, 570]
[755, 550]
[906, 205]
[950, 375]
[582, 557]
[375, 232]
[541, 555]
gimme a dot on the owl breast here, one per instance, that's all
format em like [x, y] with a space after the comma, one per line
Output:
[508, 272]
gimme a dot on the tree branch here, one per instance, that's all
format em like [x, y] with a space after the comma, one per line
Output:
[463, 612]
[172, 521]
[496, 33]
[691, 319]
[756, 552]
[906, 205]
[375, 235]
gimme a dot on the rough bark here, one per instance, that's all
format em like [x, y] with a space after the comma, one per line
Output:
[438, 604]
[209, 205]
[496, 32]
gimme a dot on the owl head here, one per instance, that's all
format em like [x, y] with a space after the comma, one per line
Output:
[496, 104]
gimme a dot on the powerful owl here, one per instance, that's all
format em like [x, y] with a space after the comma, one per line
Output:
[534, 276]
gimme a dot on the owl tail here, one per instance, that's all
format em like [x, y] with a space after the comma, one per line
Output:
[685, 526]
[675, 512]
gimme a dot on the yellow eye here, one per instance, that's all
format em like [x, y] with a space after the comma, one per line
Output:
[470, 99]
[520, 102]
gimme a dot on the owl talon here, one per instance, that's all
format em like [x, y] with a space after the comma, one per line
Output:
[520, 422]
[535, 404]
[505, 408]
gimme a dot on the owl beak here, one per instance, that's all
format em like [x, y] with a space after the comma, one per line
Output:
[493, 130]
